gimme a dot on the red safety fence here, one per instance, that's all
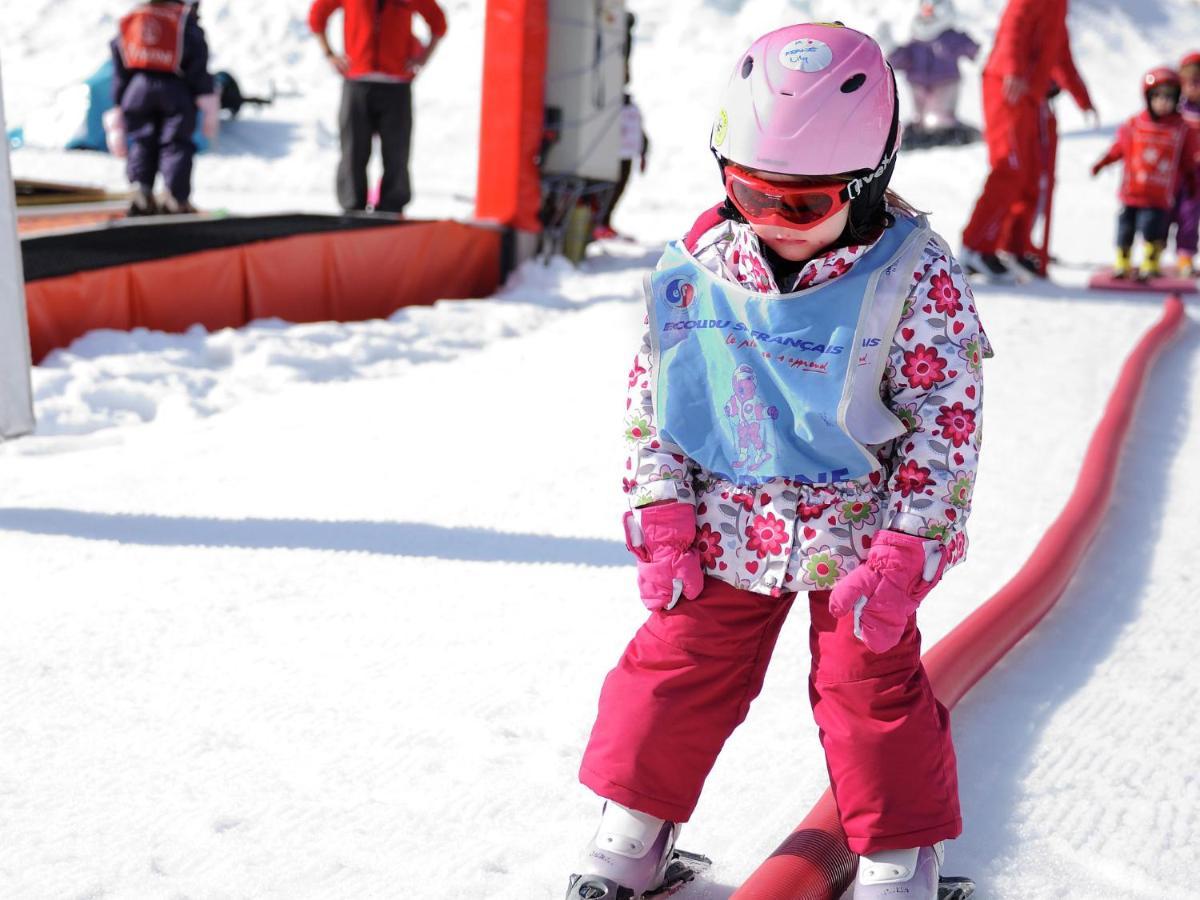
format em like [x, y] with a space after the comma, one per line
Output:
[512, 126]
[340, 276]
[814, 863]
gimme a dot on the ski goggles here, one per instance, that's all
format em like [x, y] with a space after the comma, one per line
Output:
[801, 205]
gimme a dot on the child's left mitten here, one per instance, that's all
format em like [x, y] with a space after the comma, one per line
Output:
[883, 592]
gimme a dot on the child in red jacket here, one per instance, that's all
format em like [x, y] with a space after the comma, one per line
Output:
[1187, 207]
[1159, 152]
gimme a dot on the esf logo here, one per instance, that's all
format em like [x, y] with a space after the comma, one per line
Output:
[680, 293]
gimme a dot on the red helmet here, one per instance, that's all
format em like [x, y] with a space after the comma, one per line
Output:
[1160, 77]
[1192, 59]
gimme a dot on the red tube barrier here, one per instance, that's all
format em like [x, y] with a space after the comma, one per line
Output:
[814, 862]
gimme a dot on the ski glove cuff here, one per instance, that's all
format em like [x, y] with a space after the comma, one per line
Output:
[661, 537]
[885, 591]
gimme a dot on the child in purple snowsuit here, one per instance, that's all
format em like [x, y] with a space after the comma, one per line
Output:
[1187, 208]
[160, 72]
[930, 63]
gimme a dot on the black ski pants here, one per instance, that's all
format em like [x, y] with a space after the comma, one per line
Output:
[1152, 222]
[371, 108]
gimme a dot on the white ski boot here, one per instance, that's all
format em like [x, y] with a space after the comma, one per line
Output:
[911, 874]
[628, 857]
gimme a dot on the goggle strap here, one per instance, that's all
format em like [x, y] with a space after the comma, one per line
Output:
[854, 188]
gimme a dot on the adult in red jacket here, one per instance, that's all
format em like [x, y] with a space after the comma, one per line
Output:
[382, 58]
[1032, 49]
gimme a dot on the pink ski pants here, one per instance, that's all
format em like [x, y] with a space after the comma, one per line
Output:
[686, 681]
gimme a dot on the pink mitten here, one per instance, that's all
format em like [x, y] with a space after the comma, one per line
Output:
[885, 590]
[209, 106]
[114, 131]
[661, 538]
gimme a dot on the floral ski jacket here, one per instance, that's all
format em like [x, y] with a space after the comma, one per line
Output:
[783, 535]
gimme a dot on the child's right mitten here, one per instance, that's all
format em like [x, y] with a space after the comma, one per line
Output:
[661, 537]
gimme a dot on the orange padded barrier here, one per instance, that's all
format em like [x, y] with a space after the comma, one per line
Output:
[512, 119]
[343, 276]
[291, 279]
[63, 309]
[814, 862]
[206, 289]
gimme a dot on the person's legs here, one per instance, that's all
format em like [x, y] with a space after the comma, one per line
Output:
[142, 126]
[1154, 224]
[1011, 132]
[922, 98]
[1187, 223]
[356, 136]
[392, 108]
[684, 683]
[1126, 232]
[1126, 227]
[178, 150]
[886, 737]
[622, 181]
[941, 105]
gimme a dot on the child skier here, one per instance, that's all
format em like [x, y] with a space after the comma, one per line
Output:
[803, 415]
[160, 79]
[1160, 153]
[930, 62]
[1187, 207]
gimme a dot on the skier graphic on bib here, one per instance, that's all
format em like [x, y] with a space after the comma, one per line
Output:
[749, 416]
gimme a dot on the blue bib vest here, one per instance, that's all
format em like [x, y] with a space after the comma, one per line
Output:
[754, 386]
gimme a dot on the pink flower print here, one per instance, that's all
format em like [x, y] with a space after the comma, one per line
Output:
[809, 511]
[836, 266]
[911, 478]
[807, 277]
[907, 414]
[636, 372]
[857, 513]
[923, 367]
[666, 473]
[746, 501]
[708, 545]
[628, 484]
[638, 429]
[944, 294]
[822, 568]
[766, 535]
[957, 549]
[958, 424]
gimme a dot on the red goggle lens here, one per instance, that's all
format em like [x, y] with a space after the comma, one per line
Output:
[757, 199]
[803, 208]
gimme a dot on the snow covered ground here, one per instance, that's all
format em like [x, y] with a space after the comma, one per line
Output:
[322, 611]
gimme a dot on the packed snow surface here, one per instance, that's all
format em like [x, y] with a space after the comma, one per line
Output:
[322, 611]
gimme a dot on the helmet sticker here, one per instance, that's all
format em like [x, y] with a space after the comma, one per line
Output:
[721, 128]
[806, 55]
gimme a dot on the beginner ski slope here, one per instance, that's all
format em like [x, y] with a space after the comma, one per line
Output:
[345, 640]
[323, 611]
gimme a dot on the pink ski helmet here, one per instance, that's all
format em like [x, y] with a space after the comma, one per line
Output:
[812, 99]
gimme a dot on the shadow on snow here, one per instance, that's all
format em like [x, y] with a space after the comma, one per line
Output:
[383, 538]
